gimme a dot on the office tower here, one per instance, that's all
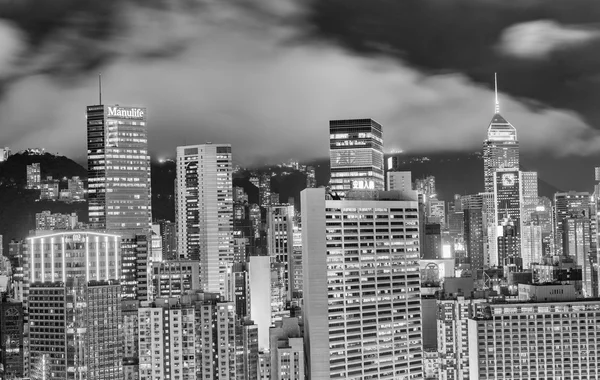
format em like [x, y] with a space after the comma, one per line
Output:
[11, 338]
[134, 266]
[400, 181]
[15, 256]
[74, 305]
[500, 149]
[432, 244]
[173, 278]
[577, 239]
[356, 155]
[34, 176]
[279, 291]
[280, 239]
[551, 339]
[130, 333]
[529, 194]
[155, 253]
[168, 234]
[509, 244]
[531, 243]
[49, 189]
[260, 305]
[118, 168]
[507, 202]
[426, 186]
[264, 189]
[311, 177]
[287, 350]
[238, 288]
[568, 204]
[204, 210]
[296, 264]
[76, 189]
[47, 221]
[436, 212]
[362, 301]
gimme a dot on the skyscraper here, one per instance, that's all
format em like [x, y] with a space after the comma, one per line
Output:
[500, 149]
[118, 168]
[362, 300]
[570, 204]
[280, 239]
[356, 155]
[204, 211]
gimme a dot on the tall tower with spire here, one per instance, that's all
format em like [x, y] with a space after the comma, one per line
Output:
[501, 148]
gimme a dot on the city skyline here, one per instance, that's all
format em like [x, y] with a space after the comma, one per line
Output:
[235, 115]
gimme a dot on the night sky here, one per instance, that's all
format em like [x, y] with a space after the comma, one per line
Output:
[267, 75]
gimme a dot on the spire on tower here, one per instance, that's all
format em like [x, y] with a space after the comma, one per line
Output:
[497, 110]
[100, 87]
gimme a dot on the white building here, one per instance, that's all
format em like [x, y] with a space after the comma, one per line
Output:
[546, 340]
[362, 305]
[204, 210]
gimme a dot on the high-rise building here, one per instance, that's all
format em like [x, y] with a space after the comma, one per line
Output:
[436, 212]
[168, 234]
[173, 278]
[130, 333]
[287, 350]
[569, 204]
[204, 210]
[296, 264]
[134, 266]
[11, 339]
[432, 243]
[34, 176]
[500, 149]
[311, 178]
[356, 155]
[474, 230]
[577, 242]
[280, 239]
[362, 301]
[507, 201]
[74, 305]
[118, 168]
[400, 181]
[453, 340]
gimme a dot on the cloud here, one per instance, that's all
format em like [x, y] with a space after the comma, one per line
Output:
[249, 76]
[12, 44]
[538, 39]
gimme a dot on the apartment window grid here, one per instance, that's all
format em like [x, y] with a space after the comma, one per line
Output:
[373, 272]
[559, 342]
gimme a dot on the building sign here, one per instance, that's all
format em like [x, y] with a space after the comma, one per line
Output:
[126, 112]
[363, 185]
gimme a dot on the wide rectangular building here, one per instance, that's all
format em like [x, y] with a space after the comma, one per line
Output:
[536, 341]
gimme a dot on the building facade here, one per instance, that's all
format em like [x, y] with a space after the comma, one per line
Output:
[356, 155]
[362, 301]
[204, 209]
[119, 196]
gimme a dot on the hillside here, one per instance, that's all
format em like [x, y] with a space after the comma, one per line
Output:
[18, 206]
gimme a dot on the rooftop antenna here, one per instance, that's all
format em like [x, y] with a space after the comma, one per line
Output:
[100, 87]
[497, 110]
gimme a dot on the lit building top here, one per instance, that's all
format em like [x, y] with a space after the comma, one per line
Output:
[55, 257]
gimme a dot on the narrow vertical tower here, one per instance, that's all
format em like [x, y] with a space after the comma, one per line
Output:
[501, 148]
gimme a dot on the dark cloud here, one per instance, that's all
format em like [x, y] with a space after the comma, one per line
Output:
[464, 36]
